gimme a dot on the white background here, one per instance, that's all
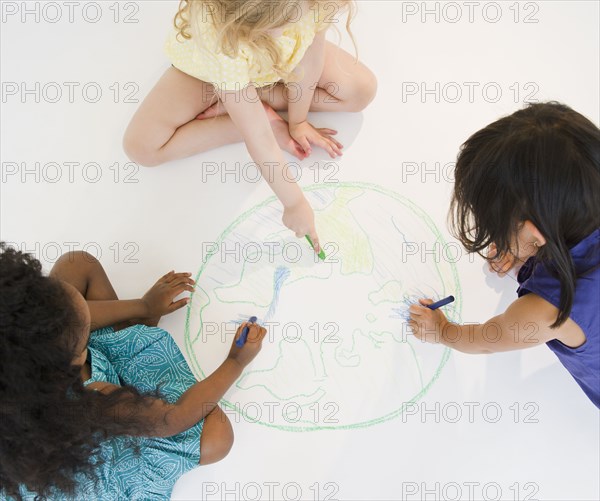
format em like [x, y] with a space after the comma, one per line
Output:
[158, 222]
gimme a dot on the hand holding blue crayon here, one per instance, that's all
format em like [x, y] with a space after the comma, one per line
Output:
[247, 343]
[241, 341]
[427, 321]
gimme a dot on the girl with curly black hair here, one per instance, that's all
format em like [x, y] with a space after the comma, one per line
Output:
[96, 402]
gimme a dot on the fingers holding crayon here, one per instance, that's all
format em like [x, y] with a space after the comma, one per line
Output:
[252, 335]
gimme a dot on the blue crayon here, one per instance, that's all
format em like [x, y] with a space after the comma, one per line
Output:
[242, 339]
[440, 303]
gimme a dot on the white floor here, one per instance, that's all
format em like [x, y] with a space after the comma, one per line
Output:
[65, 184]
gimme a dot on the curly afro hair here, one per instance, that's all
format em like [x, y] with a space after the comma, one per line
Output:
[51, 427]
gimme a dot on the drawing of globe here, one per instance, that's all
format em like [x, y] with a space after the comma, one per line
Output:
[338, 353]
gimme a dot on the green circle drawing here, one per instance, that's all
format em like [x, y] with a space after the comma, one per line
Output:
[339, 356]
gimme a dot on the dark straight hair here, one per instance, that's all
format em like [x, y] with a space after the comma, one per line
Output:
[540, 164]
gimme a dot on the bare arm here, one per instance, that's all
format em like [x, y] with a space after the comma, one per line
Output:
[156, 302]
[311, 69]
[201, 398]
[249, 116]
[108, 313]
[525, 323]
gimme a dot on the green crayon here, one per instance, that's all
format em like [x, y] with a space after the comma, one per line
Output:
[321, 254]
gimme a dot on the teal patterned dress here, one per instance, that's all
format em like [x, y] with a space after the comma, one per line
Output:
[143, 357]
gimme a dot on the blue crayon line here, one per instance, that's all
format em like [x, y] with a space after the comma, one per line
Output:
[281, 275]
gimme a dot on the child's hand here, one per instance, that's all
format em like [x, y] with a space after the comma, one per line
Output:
[300, 218]
[159, 299]
[426, 324]
[500, 264]
[305, 135]
[252, 346]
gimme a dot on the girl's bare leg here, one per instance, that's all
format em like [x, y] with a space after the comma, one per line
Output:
[217, 437]
[84, 272]
[345, 85]
[165, 128]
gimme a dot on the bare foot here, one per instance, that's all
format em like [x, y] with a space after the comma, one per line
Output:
[279, 125]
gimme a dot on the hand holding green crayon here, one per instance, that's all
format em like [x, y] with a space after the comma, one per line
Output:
[321, 253]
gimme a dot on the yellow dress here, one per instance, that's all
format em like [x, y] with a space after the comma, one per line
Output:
[201, 57]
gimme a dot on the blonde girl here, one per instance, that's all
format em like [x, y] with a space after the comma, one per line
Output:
[237, 62]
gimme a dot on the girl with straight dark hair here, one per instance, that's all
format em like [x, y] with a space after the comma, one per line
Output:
[527, 196]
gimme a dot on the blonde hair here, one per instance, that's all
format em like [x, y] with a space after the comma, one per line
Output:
[248, 22]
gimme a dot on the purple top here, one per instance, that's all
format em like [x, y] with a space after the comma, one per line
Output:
[584, 362]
